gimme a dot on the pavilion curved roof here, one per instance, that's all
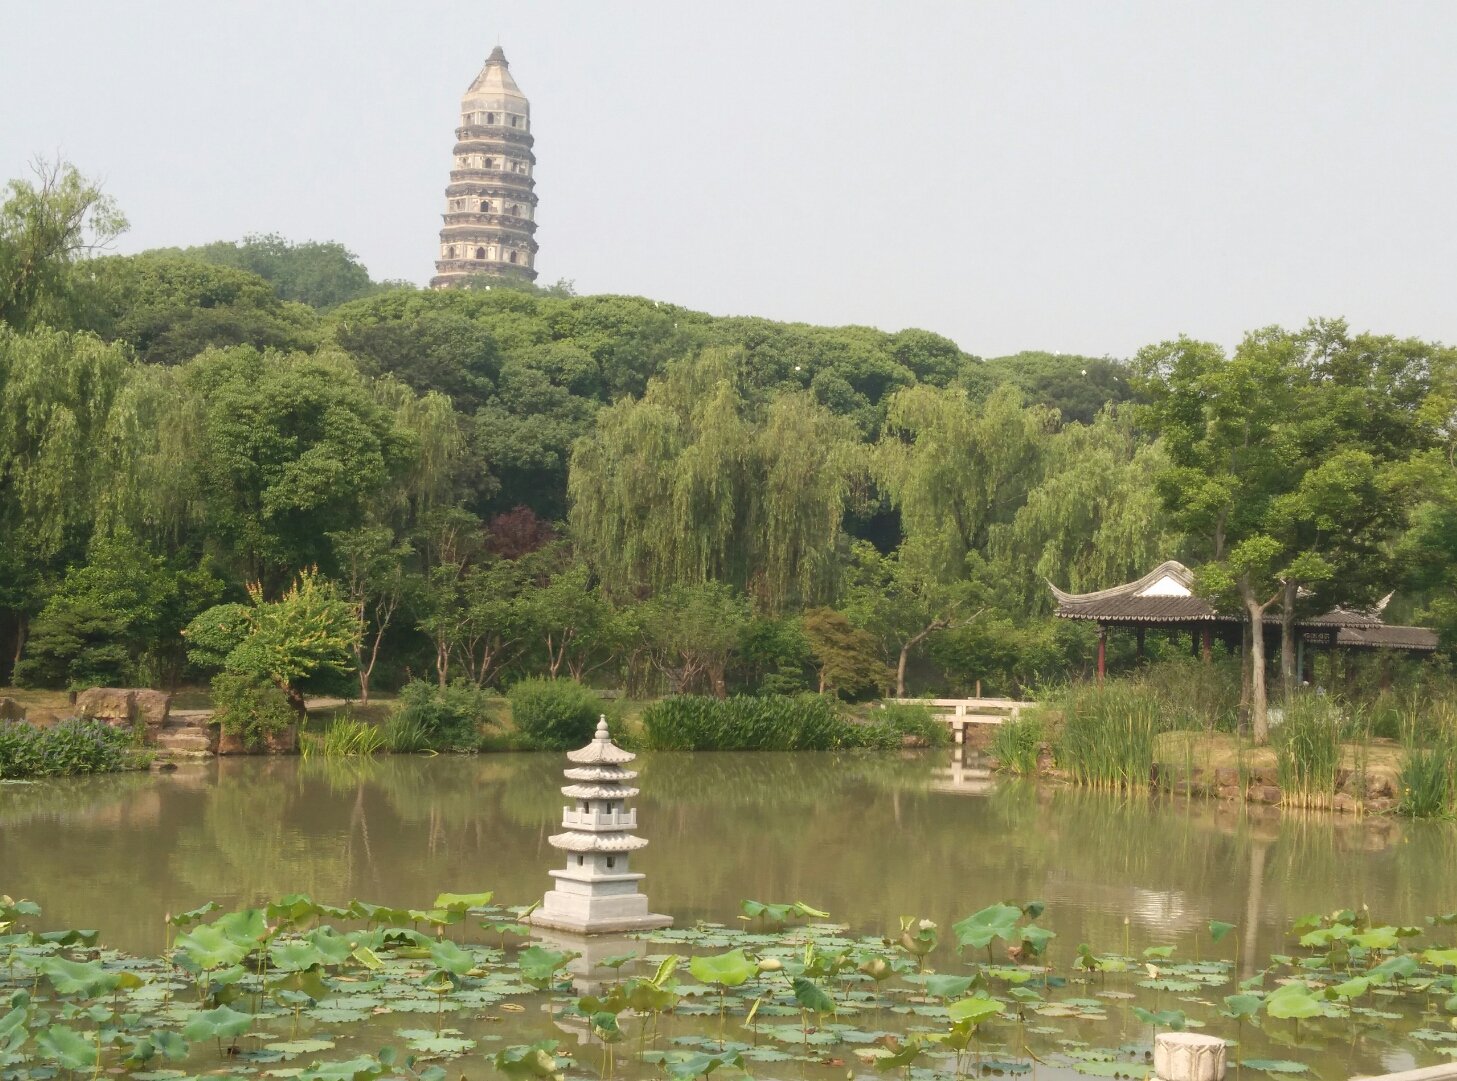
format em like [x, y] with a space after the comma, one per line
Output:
[1163, 595]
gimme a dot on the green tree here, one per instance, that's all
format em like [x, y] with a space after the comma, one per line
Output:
[1094, 518]
[954, 469]
[373, 565]
[692, 634]
[309, 629]
[58, 420]
[47, 225]
[116, 620]
[321, 274]
[694, 483]
[844, 654]
[902, 603]
[289, 448]
[171, 308]
[1225, 426]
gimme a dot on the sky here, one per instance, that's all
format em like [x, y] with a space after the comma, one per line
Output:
[1069, 176]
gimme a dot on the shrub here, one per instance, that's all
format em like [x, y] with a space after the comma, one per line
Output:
[1307, 745]
[1107, 737]
[250, 707]
[807, 722]
[1015, 745]
[554, 714]
[886, 728]
[437, 718]
[74, 746]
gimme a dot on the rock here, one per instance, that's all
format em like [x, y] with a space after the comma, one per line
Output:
[1264, 775]
[114, 705]
[43, 718]
[285, 742]
[1264, 793]
[1188, 1056]
[1225, 776]
[1227, 792]
[1345, 803]
[152, 707]
[1380, 804]
[11, 710]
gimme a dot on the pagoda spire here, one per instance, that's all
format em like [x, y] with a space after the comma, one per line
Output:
[490, 203]
[596, 893]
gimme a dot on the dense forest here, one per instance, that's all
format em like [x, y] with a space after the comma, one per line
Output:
[508, 480]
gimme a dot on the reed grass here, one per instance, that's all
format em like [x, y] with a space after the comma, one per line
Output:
[1307, 744]
[1428, 780]
[1107, 736]
[1015, 745]
[345, 735]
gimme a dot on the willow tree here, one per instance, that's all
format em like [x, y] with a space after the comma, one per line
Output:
[57, 393]
[1095, 518]
[695, 482]
[46, 225]
[956, 470]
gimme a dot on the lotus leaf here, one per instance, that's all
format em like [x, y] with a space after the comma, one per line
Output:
[993, 922]
[1293, 1000]
[209, 947]
[725, 969]
[66, 1048]
[534, 1060]
[221, 1023]
[973, 1010]
[1275, 1065]
[811, 996]
[947, 986]
[363, 1068]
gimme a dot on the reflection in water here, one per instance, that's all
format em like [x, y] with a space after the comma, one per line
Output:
[868, 838]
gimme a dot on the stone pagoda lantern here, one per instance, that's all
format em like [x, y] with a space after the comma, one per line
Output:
[596, 893]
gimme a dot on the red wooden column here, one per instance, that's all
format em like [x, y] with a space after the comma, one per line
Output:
[1102, 651]
[1206, 646]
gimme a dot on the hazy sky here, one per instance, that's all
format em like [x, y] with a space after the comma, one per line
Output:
[1075, 176]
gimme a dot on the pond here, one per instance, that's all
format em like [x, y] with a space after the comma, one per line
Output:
[870, 839]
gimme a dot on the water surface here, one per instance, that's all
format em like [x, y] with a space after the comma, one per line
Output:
[868, 838]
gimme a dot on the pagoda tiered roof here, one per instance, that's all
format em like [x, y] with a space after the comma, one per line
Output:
[577, 841]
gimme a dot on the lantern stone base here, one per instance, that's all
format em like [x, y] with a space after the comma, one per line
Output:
[597, 906]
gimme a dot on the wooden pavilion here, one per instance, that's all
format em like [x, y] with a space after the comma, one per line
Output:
[1164, 599]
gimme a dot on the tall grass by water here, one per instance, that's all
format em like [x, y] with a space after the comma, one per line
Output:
[1107, 735]
[806, 722]
[1427, 787]
[344, 735]
[1307, 743]
[1015, 745]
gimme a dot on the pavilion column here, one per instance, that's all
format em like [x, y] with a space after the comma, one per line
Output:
[1102, 651]
[1140, 644]
[1206, 646]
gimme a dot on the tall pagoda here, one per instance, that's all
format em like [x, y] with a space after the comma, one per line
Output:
[596, 893]
[490, 203]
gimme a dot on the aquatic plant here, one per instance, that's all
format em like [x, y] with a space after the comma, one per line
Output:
[806, 722]
[273, 988]
[71, 747]
[344, 736]
[1428, 779]
[1307, 746]
[1107, 735]
[1015, 745]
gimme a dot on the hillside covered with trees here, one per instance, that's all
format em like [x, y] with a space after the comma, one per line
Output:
[509, 481]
